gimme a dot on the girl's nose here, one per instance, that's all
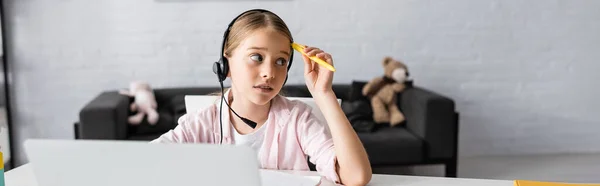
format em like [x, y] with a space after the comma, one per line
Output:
[268, 71]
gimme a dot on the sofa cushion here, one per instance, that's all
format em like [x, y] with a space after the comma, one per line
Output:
[177, 107]
[295, 91]
[165, 123]
[356, 91]
[392, 145]
[341, 91]
[360, 115]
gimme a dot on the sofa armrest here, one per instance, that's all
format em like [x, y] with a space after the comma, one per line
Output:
[105, 117]
[431, 117]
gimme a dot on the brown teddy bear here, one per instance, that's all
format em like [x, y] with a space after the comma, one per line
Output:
[144, 103]
[382, 92]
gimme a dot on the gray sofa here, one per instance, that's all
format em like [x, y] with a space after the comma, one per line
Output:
[428, 136]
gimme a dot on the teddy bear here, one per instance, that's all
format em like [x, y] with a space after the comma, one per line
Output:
[144, 103]
[382, 91]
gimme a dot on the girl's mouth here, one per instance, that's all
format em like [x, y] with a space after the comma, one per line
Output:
[263, 88]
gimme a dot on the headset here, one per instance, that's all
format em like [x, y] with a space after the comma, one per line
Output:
[221, 69]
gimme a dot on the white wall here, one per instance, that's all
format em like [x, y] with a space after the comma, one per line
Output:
[523, 73]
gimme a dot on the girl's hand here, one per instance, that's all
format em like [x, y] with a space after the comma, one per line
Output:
[353, 166]
[318, 79]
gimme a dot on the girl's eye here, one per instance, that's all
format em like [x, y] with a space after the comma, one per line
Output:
[281, 62]
[256, 57]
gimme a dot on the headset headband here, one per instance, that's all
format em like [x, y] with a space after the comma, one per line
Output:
[221, 67]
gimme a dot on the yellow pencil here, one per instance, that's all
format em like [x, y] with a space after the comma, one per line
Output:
[300, 48]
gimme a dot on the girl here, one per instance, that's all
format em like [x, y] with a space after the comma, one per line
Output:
[258, 50]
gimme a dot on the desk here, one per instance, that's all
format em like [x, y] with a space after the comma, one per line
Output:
[23, 176]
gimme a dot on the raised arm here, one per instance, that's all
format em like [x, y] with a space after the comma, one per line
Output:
[353, 166]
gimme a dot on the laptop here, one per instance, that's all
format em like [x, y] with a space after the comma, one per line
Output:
[138, 163]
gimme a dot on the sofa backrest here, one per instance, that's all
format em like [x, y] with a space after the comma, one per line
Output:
[171, 100]
[194, 103]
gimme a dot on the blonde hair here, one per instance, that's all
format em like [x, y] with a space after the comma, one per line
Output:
[250, 22]
[246, 24]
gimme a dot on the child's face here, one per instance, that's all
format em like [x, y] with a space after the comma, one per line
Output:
[258, 66]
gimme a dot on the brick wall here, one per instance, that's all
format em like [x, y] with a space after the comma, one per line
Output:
[523, 73]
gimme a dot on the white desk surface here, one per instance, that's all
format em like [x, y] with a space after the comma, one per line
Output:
[23, 176]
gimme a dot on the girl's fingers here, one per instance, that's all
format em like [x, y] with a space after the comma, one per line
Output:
[308, 49]
[328, 58]
[307, 64]
[314, 52]
[322, 55]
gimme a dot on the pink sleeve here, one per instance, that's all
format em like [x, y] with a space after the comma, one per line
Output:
[316, 142]
[189, 129]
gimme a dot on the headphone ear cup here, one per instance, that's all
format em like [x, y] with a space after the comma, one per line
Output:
[224, 68]
[220, 70]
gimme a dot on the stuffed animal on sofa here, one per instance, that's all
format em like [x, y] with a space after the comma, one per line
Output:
[144, 103]
[382, 92]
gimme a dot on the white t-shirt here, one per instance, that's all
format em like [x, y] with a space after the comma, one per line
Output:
[254, 139]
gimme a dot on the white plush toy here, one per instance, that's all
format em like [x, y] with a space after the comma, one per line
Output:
[144, 104]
